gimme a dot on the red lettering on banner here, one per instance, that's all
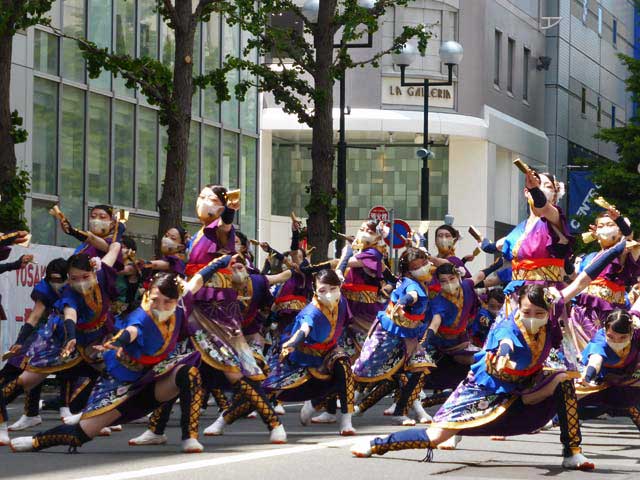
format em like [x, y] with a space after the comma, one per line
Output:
[30, 275]
[27, 312]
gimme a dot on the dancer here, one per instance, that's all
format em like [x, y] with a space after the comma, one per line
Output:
[609, 380]
[507, 392]
[216, 316]
[392, 347]
[607, 292]
[311, 365]
[81, 320]
[142, 371]
[44, 295]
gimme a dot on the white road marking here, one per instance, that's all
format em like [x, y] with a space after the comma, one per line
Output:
[244, 457]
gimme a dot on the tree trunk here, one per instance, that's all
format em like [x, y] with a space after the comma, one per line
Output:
[179, 123]
[7, 148]
[322, 152]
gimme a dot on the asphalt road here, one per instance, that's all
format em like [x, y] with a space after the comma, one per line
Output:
[317, 452]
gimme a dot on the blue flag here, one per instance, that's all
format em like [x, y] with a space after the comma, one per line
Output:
[581, 191]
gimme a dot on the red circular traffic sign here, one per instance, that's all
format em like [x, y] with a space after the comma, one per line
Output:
[379, 214]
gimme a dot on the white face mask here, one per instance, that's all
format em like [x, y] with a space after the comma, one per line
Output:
[208, 211]
[533, 324]
[608, 234]
[329, 299]
[618, 347]
[168, 245]
[450, 287]
[239, 276]
[99, 227]
[366, 237]
[550, 194]
[162, 315]
[84, 286]
[445, 244]
[423, 273]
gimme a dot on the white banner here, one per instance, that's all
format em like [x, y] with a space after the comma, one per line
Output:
[16, 287]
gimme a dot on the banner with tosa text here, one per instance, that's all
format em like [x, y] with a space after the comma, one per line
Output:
[16, 287]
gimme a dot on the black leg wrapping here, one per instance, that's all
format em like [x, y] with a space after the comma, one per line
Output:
[376, 394]
[567, 407]
[343, 378]
[8, 394]
[189, 382]
[71, 435]
[80, 396]
[32, 401]
[252, 391]
[409, 392]
[160, 417]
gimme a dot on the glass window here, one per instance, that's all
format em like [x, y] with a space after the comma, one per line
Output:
[195, 100]
[248, 176]
[192, 183]
[230, 160]
[599, 20]
[146, 161]
[290, 173]
[599, 112]
[99, 31]
[211, 53]
[496, 60]
[583, 100]
[615, 32]
[168, 45]
[73, 20]
[72, 154]
[98, 148]
[249, 107]
[231, 46]
[210, 154]
[123, 131]
[125, 18]
[164, 145]
[525, 73]
[148, 29]
[44, 136]
[45, 52]
[510, 62]
[387, 175]
[43, 225]
[613, 116]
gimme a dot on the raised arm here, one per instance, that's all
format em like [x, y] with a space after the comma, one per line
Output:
[592, 271]
[541, 207]
[112, 254]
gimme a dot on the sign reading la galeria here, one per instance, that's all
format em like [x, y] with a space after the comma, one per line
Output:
[394, 94]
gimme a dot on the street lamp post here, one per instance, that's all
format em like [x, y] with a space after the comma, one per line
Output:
[450, 54]
[310, 10]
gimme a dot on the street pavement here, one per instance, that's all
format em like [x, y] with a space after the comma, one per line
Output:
[317, 452]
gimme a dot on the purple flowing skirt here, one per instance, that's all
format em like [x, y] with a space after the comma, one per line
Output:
[219, 339]
[110, 393]
[475, 410]
[384, 354]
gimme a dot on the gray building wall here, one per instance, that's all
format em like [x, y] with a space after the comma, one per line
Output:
[472, 23]
[584, 56]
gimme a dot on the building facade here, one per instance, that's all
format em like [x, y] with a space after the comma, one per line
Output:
[521, 91]
[585, 88]
[492, 114]
[95, 141]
